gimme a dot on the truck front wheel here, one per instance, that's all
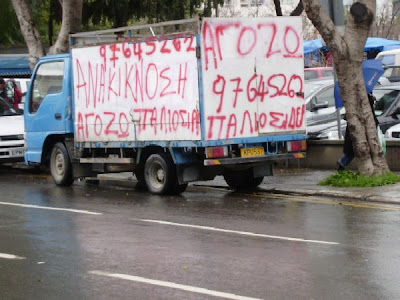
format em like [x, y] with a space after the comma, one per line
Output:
[60, 165]
[242, 179]
[160, 174]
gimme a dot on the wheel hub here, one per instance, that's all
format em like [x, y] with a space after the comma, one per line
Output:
[160, 175]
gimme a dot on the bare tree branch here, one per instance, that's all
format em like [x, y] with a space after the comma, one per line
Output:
[298, 10]
[324, 25]
[71, 22]
[278, 8]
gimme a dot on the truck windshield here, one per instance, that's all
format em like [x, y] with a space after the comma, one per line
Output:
[48, 80]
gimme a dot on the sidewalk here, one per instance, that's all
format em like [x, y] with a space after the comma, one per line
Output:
[305, 182]
[293, 181]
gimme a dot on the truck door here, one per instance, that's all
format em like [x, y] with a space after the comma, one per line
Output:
[47, 111]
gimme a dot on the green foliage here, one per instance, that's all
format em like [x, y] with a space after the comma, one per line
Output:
[11, 32]
[125, 12]
[209, 5]
[348, 178]
[101, 14]
[118, 13]
[47, 16]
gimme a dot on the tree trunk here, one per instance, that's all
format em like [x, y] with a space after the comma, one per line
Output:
[31, 34]
[347, 53]
[71, 22]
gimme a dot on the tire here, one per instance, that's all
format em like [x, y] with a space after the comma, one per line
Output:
[240, 180]
[60, 165]
[160, 174]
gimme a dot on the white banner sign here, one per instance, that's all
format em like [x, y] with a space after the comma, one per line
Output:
[137, 91]
[252, 76]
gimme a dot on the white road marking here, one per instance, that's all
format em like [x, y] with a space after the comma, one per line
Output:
[51, 208]
[173, 285]
[239, 232]
[10, 256]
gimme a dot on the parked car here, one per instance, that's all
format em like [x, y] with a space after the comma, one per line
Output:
[320, 101]
[326, 131]
[392, 74]
[389, 57]
[387, 110]
[321, 72]
[393, 132]
[387, 106]
[12, 145]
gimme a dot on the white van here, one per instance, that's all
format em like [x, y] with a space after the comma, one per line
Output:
[391, 65]
[389, 57]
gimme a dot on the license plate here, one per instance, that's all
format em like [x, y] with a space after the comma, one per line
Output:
[247, 152]
[17, 152]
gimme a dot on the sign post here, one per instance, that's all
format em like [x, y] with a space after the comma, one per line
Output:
[334, 9]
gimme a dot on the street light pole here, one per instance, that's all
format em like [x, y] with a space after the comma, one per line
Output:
[334, 8]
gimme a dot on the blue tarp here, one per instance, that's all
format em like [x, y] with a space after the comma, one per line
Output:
[379, 44]
[312, 55]
[372, 70]
[311, 46]
[14, 66]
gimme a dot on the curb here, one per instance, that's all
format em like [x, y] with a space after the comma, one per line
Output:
[334, 194]
[129, 183]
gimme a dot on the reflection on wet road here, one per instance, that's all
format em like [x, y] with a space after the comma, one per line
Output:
[100, 243]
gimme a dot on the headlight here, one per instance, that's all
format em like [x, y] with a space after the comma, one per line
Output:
[20, 136]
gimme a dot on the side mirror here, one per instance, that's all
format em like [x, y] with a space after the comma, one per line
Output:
[315, 106]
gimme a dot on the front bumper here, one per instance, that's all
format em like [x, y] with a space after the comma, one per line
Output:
[12, 154]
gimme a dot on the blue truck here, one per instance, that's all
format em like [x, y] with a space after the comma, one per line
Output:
[173, 102]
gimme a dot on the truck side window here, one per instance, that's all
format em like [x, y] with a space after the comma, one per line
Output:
[48, 80]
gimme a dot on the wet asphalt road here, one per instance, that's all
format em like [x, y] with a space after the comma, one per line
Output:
[112, 243]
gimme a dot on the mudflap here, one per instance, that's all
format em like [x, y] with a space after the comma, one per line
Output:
[196, 172]
[265, 169]
[82, 170]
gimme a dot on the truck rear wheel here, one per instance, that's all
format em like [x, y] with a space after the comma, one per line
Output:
[242, 179]
[160, 174]
[60, 165]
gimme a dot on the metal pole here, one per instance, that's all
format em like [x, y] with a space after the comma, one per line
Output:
[338, 117]
[334, 8]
